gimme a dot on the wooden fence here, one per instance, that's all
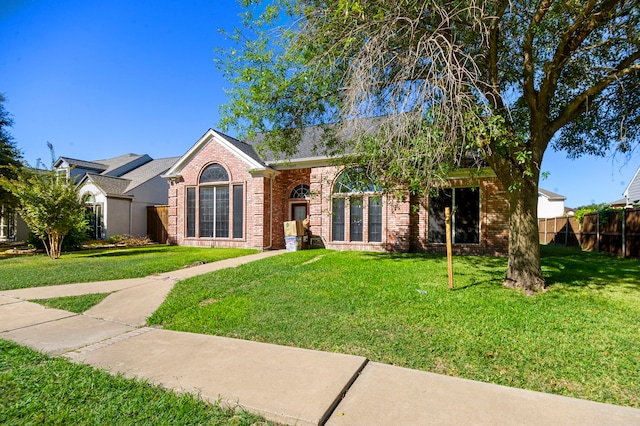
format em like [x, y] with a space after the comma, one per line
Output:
[616, 232]
[158, 223]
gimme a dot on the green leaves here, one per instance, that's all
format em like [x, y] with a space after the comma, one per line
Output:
[49, 204]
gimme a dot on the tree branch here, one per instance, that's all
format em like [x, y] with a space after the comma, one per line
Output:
[530, 94]
[581, 102]
[588, 21]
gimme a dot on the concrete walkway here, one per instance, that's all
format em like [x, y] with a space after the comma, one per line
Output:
[284, 384]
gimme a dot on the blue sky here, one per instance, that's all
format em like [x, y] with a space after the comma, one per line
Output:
[99, 79]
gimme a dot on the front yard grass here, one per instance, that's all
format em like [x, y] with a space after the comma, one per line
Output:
[581, 338]
[38, 389]
[75, 304]
[104, 264]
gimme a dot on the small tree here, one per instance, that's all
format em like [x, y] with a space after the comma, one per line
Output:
[49, 204]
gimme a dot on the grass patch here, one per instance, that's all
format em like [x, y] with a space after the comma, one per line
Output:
[580, 338]
[76, 304]
[38, 389]
[108, 264]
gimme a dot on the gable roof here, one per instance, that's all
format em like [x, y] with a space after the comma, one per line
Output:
[148, 171]
[73, 162]
[117, 166]
[552, 196]
[242, 150]
[111, 186]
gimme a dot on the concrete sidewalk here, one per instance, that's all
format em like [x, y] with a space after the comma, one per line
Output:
[285, 384]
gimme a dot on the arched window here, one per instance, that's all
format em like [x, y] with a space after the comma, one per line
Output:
[215, 208]
[214, 173]
[357, 202]
[300, 191]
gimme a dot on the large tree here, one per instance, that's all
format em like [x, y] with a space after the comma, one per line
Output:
[9, 154]
[444, 79]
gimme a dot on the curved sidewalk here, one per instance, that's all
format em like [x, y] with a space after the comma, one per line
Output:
[285, 384]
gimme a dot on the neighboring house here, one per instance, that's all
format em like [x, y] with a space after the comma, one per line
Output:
[550, 204]
[632, 193]
[118, 190]
[618, 204]
[12, 227]
[223, 194]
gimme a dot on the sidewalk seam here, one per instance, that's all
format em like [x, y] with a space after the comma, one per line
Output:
[108, 342]
[332, 408]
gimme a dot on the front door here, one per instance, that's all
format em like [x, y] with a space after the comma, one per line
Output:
[299, 211]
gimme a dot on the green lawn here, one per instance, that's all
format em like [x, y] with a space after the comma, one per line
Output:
[104, 264]
[37, 389]
[76, 304]
[581, 338]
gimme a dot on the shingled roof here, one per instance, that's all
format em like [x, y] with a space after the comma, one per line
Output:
[112, 186]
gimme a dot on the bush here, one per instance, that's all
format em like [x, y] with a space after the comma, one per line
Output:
[129, 241]
[73, 241]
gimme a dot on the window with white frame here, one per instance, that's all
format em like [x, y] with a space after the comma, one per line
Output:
[356, 208]
[209, 211]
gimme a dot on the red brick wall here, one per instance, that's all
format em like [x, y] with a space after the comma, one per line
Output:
[256, 198]
[494, 220]
[395, 217]
[404, 227]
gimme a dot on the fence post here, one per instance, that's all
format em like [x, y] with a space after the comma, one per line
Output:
[598, 232]
[624, 235]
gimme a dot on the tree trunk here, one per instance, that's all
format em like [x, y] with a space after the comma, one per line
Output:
[524, 270]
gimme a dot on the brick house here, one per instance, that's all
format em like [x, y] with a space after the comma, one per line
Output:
[223, 194]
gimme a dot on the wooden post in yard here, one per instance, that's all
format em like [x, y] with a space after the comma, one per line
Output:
[447, 220]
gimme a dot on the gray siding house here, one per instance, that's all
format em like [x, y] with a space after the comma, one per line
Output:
[117, 191]
[632, 193]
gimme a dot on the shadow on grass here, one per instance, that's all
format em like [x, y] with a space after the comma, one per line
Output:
[125, 251]
[469, 270]
[563, 267]
[572, 267]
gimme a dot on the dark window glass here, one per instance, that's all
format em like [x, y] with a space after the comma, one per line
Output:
[214, 173]
[238, 211]
[355, 218]
[375, 219]
[338, 219]
[466, 229]
[207, 213]
[465, 206]
[191, 212]
[222, 212]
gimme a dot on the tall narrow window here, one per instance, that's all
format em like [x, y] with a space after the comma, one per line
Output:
[356, 220]
[191, 212]
[238, 211]
[207, 212]
[375, 219]
[467, 217]
[222, 212]
[338, 219]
